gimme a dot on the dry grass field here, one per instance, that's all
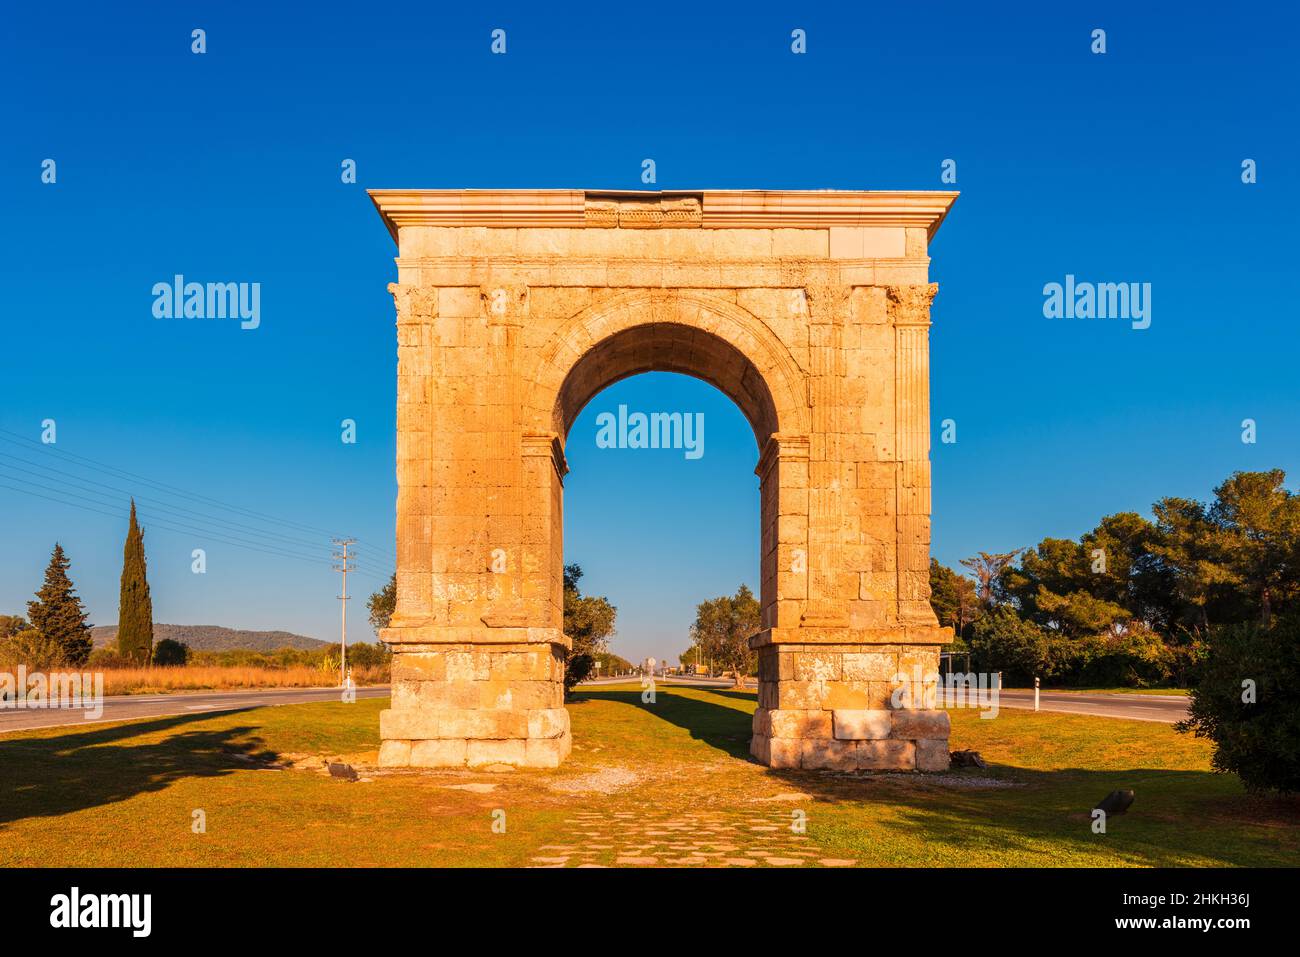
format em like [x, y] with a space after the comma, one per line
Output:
[159, 679]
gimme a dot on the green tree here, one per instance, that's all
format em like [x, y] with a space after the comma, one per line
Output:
[382, 604]
[691, 656]
[954, 600]
[589, 624]
[1259, 524]
[135, 608]
[1189, 551]
[171, 652]
[722, 629]
[610, 664]
[10, 625]
[1123, 570]
[57, 612]
[988, 569]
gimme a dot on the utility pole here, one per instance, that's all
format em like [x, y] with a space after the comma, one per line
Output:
[344, 568]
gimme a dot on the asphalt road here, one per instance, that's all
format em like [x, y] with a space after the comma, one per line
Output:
[1166, 709]
[1136, 707]
[126, 707]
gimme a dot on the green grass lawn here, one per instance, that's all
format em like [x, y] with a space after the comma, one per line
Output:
[668, 783]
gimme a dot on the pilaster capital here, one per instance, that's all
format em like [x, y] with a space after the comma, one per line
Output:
[781, 447]
[910, 305]
[414, 303]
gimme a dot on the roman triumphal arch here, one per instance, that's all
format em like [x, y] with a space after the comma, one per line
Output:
[809, 309]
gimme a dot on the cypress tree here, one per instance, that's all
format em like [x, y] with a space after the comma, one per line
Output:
[135, 609]
[57, 613]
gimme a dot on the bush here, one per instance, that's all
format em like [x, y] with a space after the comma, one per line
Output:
[31, 648]
[171, 652]
[1139, 658]
[102, 659]
[1002, 641]
[1259, 741]
[577, 668]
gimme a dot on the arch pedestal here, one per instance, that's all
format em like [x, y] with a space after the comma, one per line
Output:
[810, 310]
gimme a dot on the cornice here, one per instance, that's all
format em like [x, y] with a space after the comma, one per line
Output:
[708, 209]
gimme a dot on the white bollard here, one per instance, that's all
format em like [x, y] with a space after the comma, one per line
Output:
[1035, 694]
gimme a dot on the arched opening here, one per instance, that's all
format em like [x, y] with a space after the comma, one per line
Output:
[693, 334]
[660, 526]
[669, 347]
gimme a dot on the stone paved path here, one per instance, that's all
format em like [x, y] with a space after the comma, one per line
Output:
[654, 838]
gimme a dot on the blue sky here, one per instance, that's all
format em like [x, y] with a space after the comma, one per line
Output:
[225, 167]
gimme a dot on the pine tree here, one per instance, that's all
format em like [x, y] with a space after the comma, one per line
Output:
[135, 609]
[57, 612]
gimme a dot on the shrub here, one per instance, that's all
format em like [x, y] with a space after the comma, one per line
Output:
[1139, 658]
[1021, 650]
[171, 652]
[577, 668]
[1258, 741]
[101, 659]
[31, 648]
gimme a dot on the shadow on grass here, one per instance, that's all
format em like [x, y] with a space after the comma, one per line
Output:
[1016, 814]
[718, 726]
[51, 776]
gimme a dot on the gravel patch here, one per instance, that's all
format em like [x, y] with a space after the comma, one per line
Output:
[604, 781]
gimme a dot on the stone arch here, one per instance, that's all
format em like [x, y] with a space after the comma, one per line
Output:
[515, 307]
[658, 330]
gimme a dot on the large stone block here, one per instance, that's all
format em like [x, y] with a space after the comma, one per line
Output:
[932, 754]
[888, 755]
[441, 753]
[512, 752]
[392, 753]
[479, 723]
[828, 755]
[800, 724]
[409, 723]
[870, 666]
[784, 752]
[545, 752]
[548, 723]
[921, 724]
[862, 725]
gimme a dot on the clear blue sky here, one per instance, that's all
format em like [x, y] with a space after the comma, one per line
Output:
[225, 166]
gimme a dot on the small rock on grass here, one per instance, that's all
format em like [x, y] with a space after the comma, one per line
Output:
[1116, 802]
[967, 759]
[345, 771]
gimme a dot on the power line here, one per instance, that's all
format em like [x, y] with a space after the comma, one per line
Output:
[190, 532]
[83, 483]
[15, 438]
[195, 523]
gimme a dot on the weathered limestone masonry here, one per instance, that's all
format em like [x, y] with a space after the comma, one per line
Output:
[809, 309]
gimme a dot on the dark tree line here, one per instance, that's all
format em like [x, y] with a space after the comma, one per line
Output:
[1205, 595]
[1133, 601]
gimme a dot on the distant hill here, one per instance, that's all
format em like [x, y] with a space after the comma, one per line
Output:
[214, 638]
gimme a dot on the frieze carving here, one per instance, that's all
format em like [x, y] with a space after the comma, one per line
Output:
[644, 213]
